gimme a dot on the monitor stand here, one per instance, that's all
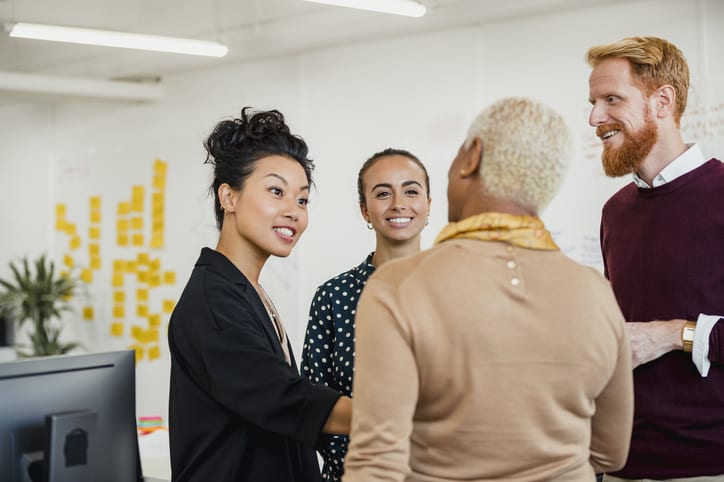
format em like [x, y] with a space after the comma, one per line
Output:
[71, 444]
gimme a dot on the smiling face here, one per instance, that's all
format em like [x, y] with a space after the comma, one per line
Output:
[268, 214]
[396, 200]
[621, 114]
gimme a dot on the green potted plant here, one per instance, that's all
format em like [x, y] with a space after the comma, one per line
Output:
[38, 296]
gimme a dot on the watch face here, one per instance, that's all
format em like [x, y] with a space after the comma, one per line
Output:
[688, 334]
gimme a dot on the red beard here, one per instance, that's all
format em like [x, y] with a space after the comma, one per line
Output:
[636, 146]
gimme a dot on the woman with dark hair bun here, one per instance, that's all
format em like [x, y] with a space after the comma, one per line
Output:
[238, 409]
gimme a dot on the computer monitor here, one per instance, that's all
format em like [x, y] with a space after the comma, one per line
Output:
[69, 418]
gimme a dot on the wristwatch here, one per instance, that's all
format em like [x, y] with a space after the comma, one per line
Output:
[687, 336]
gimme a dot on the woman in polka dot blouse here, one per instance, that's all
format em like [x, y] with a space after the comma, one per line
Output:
[394, 198]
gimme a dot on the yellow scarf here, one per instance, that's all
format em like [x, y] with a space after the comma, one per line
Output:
[525, 231]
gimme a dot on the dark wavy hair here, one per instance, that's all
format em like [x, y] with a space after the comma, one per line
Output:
[235, 145]
[390, 151]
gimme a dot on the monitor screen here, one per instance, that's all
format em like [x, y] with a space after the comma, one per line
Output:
[69, 418]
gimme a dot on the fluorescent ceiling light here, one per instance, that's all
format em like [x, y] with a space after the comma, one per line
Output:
[409, 8]
[78, 87]
[108, 38]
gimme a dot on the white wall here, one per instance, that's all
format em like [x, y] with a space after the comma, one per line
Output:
[417, 92]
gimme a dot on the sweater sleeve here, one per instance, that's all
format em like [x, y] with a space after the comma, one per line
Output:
[612, 423]
[385, 387]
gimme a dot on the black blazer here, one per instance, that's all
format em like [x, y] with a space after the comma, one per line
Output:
[237, 411]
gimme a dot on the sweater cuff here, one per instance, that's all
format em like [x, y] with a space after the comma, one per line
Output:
[700, 351]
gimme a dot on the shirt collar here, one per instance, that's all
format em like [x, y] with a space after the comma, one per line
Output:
[689, 160]
[366, 265]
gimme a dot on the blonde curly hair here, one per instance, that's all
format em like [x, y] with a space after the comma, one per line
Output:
[526, 150]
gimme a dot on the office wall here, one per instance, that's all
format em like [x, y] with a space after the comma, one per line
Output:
[416, 92]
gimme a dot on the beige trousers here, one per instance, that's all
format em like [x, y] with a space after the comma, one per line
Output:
[707, 478]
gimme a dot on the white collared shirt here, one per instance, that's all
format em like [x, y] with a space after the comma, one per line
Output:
[689, 160]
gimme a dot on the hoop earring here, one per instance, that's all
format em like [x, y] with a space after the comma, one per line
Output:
[369, 226]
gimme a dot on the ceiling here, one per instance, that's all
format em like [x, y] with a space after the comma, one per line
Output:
[250, 28]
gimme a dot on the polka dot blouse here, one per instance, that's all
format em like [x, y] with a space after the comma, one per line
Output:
[328, 354]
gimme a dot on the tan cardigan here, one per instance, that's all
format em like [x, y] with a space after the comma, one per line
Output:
[477, 360]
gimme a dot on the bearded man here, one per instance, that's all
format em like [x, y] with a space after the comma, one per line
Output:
[662, 238]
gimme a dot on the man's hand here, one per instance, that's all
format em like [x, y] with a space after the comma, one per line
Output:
[652, 339]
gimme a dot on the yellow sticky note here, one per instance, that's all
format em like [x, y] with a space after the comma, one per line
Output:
[60, 211]
[137, 192]
[137, 240]
[142, 294]
[155, 264]
[154, 280]
[122, 240]
[156, 242]
[168, 305]
[65, 274]
[95, 216]
[117, 329]
[154, 352]
[131, 266]
[94, 232]
[142, 311]
[159, 182]
[142, 276]
[137, 222]
[119, 311]
[95, 263]
[142, 258]
[87, 312]
[71, 229]
[159, 166]
[122, 225]
[169, 277]
[94, 249]
[138, 333]
[119, 296]
[68, 260]
[95, 202]
[139, 352]
[61, 225]
[124, 208]
[119, 265]
[154, 320]
[117, 280]
[86, 275]
[152, 335]
[74, 243]
[137, 199]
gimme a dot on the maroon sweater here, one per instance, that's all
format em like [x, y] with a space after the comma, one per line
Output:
[663, 250]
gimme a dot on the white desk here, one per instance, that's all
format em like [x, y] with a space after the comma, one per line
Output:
[155, 458]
